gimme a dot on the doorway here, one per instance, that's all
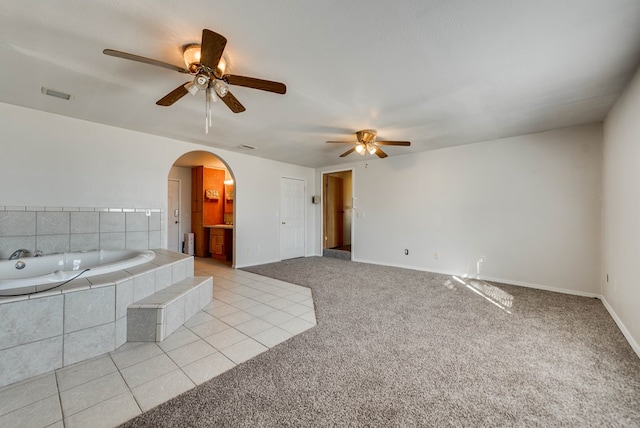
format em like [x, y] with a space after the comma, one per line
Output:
[337, 213]
[207, 204]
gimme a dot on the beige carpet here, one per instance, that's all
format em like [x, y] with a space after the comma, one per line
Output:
[396, 347]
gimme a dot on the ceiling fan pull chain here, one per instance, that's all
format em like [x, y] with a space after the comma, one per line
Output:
[207, 112]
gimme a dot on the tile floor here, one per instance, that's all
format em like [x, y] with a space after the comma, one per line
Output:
[248, 315]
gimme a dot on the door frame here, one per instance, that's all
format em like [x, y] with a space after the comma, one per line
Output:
[353, 206]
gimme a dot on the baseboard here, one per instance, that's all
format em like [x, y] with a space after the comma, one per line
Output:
[634, 345]
[542, 287]
[488, 278]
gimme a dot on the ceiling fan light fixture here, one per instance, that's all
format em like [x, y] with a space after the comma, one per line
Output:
[360, 148]
[372, 148]
[201, 81]
[191, 88]
[191, 55]
[221, 89]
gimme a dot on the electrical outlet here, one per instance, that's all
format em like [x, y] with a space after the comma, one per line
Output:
[406, 252]
[435, 255]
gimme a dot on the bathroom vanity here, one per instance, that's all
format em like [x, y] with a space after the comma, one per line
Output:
[221, 241]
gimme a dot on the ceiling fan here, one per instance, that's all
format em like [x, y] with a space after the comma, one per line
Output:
[366, 143]
[204, 61]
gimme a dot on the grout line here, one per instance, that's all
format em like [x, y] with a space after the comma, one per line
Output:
[126, 384]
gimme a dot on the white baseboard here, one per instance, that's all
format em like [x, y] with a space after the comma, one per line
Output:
[488, 278]
[634, 345]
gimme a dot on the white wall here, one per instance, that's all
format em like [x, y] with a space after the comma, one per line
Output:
[529, 204]
[55, 161]
[621, 213]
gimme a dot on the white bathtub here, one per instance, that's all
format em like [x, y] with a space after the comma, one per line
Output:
[42, 273]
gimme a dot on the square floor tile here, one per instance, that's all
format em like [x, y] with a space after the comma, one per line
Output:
[277, 317]
[253, 326]
[309, 316]
[85, 371]
[199, 318]
[272, 336]
[266, 298]
[16, 396]
[228, 296]
[259, 310]
[225, 338]
[237, 318]
[210, 327]
[221, 309]
[279, 303]
[130, 355]
[39, 414]
[296, 309]
[182, 336]
[162, 389]
[91, 393]
[148, 370]
[107, 414]
[296, 325]
[208, 367]
[189, 353]
[308, 303]
[245, 303]
[297, 297]
[243, 351]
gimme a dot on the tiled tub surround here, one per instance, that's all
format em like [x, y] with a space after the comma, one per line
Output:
[82, 319]
[248, 315]
[59, 230]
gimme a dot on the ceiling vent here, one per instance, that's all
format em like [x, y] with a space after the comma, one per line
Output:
[246, 146]
[53, 93]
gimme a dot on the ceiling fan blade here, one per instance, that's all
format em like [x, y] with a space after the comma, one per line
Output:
[342, 142]
[252, 82]
[393, 143]
[172, 96]
[132, 57]
[348, 152]
[211, 48]
[233, 103]
[380, 153]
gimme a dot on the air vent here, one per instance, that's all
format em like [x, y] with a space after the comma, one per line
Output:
[53, 93]
[246, 146]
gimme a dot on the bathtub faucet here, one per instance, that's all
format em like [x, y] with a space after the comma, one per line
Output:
[19, 253]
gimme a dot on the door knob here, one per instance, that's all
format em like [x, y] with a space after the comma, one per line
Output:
[176, 221]
[284, 222]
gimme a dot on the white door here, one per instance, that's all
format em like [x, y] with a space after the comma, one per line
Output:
[173, 216]
[292, 218]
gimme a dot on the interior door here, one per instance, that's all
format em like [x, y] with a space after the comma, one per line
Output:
[173, 215]
[292, 218]
[334, 211]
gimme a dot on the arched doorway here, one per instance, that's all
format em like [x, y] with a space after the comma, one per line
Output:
[201, 196]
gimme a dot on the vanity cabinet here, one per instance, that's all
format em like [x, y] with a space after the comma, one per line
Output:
[221, 243]
[216, 243]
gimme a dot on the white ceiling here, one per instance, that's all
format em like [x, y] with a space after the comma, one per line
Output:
[434, 72]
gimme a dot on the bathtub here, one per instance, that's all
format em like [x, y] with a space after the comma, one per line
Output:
[32, 274]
